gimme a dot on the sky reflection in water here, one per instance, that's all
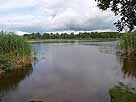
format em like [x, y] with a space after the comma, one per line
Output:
[69, 72]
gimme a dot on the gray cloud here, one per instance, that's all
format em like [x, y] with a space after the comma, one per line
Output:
[56, 15]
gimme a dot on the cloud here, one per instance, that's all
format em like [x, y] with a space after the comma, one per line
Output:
[20, 33]
[54, 15]
[10, 4]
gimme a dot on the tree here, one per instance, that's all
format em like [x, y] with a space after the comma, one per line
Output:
[126, 9]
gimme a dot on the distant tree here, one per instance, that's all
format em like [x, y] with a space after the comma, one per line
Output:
[72, 35]
[126, 9]
[83, 35]
[37, 35]
[57, 35]
[45, 36]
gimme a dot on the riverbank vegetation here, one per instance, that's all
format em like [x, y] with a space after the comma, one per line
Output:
[14, 52]
[128, 44]
[79, 36]
[122, 93]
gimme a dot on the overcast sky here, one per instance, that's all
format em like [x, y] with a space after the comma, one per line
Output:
[54, 15]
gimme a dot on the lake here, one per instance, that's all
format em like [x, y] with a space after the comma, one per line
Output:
[69, 72]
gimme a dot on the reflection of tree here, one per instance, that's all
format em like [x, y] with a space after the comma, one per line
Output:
[0, 98]
[11, 80]
[129, 68]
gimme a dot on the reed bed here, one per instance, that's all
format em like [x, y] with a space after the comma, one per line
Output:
[14, 51]
[128, 44]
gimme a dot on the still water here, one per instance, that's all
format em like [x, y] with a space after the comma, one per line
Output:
[69, 72]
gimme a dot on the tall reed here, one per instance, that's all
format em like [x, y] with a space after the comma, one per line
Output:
[13, 44]
[128, 44]
[14, 49]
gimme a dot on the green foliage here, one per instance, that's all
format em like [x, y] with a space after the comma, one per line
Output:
[6, 64]
[13, 50]
[14, 45]
[122, 93]
[34, 36]
[126, 9]
[128, 43]
[85, 35]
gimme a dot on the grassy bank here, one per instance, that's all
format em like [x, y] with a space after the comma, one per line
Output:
[14, 52]
[122, 93]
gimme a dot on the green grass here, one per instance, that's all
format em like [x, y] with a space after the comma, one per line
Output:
[122, 94]
[14, 50]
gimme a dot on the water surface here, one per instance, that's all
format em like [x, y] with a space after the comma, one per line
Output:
[69, 72]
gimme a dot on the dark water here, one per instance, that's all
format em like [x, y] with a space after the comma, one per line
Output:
[69, 72]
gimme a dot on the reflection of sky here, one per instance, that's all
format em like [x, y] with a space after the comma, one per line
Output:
[40, 50]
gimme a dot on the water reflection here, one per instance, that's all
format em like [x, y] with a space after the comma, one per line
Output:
[67, 72]
[128, 65]
[10, 81]
[104, 47]
[129, 68]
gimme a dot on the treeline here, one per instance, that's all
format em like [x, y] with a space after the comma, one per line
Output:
[85, 35]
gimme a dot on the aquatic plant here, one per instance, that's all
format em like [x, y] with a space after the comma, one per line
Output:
[121, 93]
[6, 64]
[128, 44]
[13, 44]
[14, 51]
